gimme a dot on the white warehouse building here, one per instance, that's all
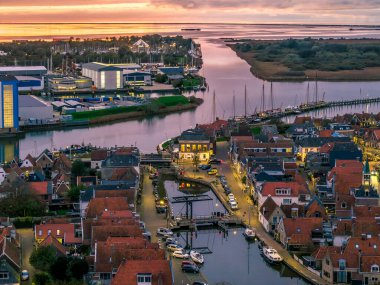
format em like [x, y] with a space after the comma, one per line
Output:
[32, 107]
[104, 76]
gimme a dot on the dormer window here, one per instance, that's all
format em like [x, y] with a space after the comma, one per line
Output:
[144, 279]
[343, 205]
[375, 268]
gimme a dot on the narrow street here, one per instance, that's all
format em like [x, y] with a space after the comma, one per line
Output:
[147, 211]
[27, 247]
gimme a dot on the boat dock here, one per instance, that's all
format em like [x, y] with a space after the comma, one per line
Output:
[305, 108]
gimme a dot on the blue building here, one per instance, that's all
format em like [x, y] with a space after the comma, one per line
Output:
[8, 103]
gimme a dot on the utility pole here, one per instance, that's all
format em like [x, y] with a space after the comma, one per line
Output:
[271, 95]
[263, 99]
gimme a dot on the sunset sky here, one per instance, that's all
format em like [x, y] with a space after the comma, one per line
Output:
[192, 11]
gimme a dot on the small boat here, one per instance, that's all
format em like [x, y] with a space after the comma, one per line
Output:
[196, 88]
[249, 234]
[196, 257]
[271, 255]
[203, 88]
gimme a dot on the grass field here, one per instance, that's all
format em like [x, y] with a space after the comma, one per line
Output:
[150, 108]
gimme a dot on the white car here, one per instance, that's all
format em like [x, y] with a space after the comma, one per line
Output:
[233, 204]
[174, 247]
[24, 275]
[180, 254]
[164, 232]
[231, 196]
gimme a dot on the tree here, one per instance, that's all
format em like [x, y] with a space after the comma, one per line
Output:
[58, 269]
[74, 192]
[41, 278]
[77, 268]
[78, 169]
[42, 258]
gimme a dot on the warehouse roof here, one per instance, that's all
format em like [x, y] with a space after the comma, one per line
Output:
[97, 66]
[30, 101]
[22, 68]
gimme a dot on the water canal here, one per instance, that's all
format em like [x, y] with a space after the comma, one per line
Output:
[226, 74]
[232, 260]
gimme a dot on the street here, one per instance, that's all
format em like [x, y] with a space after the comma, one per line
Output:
[27, 247]
[153, 221]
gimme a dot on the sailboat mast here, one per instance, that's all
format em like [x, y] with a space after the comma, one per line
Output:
[245, 101]
[307, 93]
[213, 108]
[263, 99]
[316, 89]
[271, 95]
[233, 101]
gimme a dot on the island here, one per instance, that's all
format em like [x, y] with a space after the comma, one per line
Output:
[310, 59]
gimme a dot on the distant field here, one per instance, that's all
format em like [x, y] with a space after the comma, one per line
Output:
[337, 60]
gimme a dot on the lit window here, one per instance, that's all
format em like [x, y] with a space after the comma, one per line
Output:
[8, 106]
[58, 232]
[49, 232]
[40, 232]
[118, 79]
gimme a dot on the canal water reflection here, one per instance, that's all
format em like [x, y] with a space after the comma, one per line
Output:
[232, 260]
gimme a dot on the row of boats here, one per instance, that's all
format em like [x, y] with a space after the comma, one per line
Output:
[177, 250]
[269, 253]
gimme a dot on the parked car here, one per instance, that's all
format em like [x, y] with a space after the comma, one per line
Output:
[187, 262]
[233, 204]
[199, 283]
[174, 247]
[215, 161]
[180, 254]
[160, 209]
[205, 166]
[231, 196]
[24, 275]
[213, 171]
[227, 190]
[153, 175]
[190, 268]
[164, 231]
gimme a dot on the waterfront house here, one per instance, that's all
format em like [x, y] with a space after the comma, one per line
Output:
[270, 215]
[286, 193]
[343, 129]
[97, 157]
[301, 233]
[138, 272]
[195, 142]
[219, 128]
[140, 47]
[45, 160]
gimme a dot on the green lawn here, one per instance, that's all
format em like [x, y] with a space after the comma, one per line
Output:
[150, 108]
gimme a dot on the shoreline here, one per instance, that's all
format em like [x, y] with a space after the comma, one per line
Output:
[130, 116]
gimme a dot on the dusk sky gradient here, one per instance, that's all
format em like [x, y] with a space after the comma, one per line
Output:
[193, 11]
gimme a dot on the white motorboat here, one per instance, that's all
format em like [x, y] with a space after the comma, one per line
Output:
[271, 255]
[164, 232]
[196, 257]
[249, 234]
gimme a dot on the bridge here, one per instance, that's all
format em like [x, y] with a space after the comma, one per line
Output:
[222, 222]
[155, 159]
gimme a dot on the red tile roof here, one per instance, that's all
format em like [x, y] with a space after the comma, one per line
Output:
[52, 241]
[325, 133]
[98, 205]
[376, 134]
[117, 214]
[268, 207]
[101, 233]
[99, 154]
[368, 261]
[269, 188]
[59, 231]
[127, 272]
[298, 230]
[366, 211]
[11, 251]
[302, 120]
[38, 188]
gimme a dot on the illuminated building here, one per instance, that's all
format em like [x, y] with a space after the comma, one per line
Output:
[195, 142]
[104, 76]
[8, 103]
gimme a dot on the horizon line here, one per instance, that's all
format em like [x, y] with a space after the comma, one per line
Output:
[186, 23]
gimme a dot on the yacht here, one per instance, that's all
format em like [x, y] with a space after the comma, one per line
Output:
[196, 257]
[249, 234]
[271, 255]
